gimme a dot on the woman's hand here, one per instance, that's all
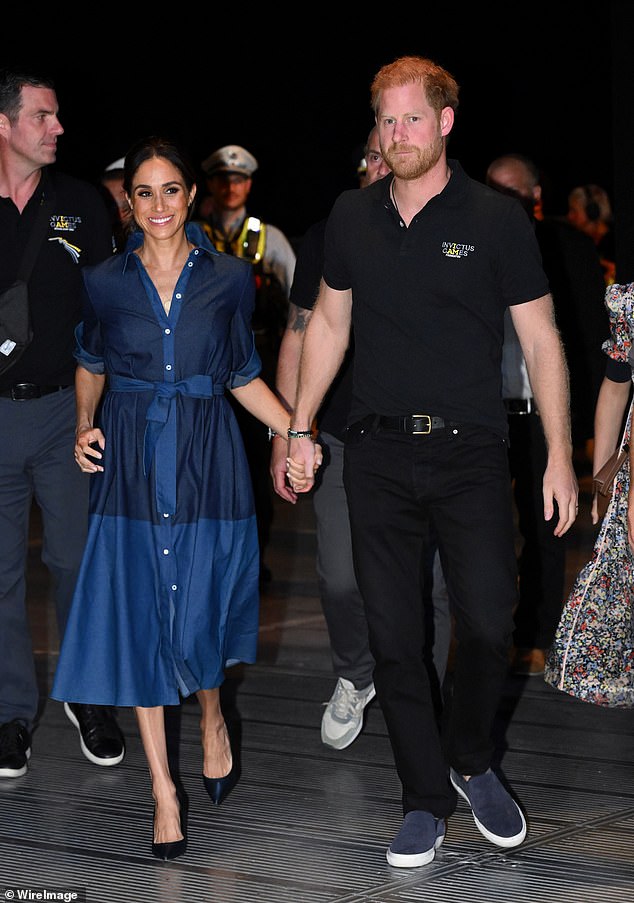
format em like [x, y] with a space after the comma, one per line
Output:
[279, 469]
[89, 448]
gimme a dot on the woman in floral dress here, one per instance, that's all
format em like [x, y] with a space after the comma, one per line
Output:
[592, 657]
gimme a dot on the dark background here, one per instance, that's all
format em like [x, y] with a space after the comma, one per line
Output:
[544, 79]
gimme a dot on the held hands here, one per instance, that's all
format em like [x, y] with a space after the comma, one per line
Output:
[290, 473]
[89, 448]
[278, 469]
[303, 460]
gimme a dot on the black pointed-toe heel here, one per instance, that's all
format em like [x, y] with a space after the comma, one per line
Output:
[170, 850]
[219, 788]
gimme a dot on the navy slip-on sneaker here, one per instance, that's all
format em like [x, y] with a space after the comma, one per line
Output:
[416, 843]
[495, 812]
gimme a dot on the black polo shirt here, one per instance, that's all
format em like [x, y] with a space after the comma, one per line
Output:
[79, 234]
[429, 299]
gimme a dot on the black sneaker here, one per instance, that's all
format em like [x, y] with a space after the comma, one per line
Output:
[100, 739]
[15, 749]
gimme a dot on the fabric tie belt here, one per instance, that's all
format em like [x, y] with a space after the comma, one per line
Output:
[412, 424]
[160, 430]
[520, 406]
[26, 391]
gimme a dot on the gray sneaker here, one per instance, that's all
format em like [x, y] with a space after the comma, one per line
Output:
[343, 719]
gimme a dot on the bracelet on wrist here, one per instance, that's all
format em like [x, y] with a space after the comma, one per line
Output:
[300, 434]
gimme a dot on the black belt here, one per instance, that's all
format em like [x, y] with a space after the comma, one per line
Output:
[26, 391]
[413, 424]
[520, 406]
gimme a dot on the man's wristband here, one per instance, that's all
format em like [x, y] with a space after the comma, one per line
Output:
[273, 435]
[300, 434]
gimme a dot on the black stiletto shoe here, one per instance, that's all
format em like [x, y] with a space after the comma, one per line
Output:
[219, 788]
[172, 849]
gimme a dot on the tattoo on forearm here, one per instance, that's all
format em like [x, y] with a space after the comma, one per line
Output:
[298, 318]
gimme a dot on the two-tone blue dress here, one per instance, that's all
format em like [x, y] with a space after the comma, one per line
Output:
[167, 594]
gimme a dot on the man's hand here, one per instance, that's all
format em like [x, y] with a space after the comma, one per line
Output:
[304, 459]
[560, 485]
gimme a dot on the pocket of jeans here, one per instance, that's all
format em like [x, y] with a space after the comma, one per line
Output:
[356, 433]
[479, 436]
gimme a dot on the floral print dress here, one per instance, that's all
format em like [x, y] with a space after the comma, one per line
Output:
[592, 657]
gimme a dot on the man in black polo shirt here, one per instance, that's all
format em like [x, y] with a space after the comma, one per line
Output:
[37, 405]
[424, 264]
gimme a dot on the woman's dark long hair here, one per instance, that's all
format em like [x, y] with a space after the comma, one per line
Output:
[157, 146]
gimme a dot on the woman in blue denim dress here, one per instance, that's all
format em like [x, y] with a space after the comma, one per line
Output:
[167, 595]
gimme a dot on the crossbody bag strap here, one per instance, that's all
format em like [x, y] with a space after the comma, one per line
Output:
[39, 230]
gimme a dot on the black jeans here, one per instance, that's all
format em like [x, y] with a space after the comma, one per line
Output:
[458, 477]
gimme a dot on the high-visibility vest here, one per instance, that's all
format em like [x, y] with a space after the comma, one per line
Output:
[248, 243]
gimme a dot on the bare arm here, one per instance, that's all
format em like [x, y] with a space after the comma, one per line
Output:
[88, 391]
[608, 418]
[290, 354]
[286, 387]
[260, 401]
[548, 373]
[325, 343]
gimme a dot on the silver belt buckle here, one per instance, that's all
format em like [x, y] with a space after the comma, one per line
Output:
[421, 432]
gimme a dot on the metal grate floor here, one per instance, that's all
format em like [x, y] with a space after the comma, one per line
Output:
[307, 824]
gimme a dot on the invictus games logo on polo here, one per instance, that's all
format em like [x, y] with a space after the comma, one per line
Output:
[453, 249]
[62, 223]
